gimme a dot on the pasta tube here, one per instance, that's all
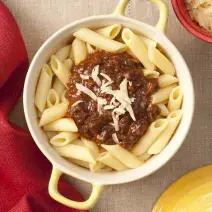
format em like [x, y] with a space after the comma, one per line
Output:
[75, 152]
[162, 94]
[175, 99]
[63, 97]
[43, 87]
[63, 53]
[137, 47]
[145, 156]
[92, 146]
[79, 50]
[50, 134]
[96, 167]
[61, 125]
[154, 130]
[68, 63]
[64, 138]
[60, 70]
[110, 31]
[150, 73]
[126, 157]
[90, 48]
[158, 59]
[147, 41]
[163, 109]
[111, 161]
[53, 113]
[164, 138]
[79, 162]
[58, 86]
[99, 41]
[166, 80]
[52, 98]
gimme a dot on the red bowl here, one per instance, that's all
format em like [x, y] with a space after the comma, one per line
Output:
[184, 17]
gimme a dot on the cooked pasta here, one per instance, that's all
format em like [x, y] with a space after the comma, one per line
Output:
[79, 50]
[160, 143]
[137, 47]
[51, 114]
[110, 31]
[52, 98]
[61, 125]
[158, 59]
[155, 129]
[175, 99]
[63, 53]
[156, 95]
[99, 41]
[63, 138]
[60, 70]
[43, 87]
[162, 94]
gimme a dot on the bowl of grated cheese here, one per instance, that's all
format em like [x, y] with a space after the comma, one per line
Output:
[195, 16]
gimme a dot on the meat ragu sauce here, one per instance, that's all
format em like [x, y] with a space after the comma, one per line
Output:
[99, 127]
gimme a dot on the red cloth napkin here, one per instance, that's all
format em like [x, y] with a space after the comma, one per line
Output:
[24, 171]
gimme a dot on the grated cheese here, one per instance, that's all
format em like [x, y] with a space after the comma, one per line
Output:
[201, 11]
[84, 77]
[115, 138]
[94, 75]
[76, 103]
[106, 77]
[85, 90]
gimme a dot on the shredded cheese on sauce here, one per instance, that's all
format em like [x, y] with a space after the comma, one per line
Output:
[94, 75]
[76, 103]
[115, 138]
[85, 90]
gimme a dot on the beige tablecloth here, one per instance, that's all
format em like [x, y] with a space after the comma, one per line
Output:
[38, 19]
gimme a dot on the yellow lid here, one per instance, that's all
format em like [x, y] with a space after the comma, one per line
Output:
[191, 193]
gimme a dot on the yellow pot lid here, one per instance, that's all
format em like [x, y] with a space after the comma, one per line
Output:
[191, 193]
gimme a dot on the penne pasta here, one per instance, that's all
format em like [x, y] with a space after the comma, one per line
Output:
[75, 152]
[147, 41]
[68, 63]
[96, 167]
[150, 73]
[137, 47]
[71, 55]
[90, 48]
[154, 130]
[99, 41]
[163, 109]
[175, 99]
[79, 162]
[108, 159]
[61, 125]
[79, 50]
[126, 157]
[145, 156]
[43, 87]
[63, 53]
[58, 86]
[166, 80]
[50, 134]
[159, 60]
[60, 70]
[92, 146]
[53, 113]
[64, 138]
[52, 98]
[63, 97]
[162, 94]
[39, 113]
[160, 143]
[110, 31]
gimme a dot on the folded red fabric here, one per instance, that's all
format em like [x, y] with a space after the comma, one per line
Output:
[24, 171]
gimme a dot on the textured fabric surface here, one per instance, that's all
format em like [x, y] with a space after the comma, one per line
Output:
[24, 171]
[39, 19]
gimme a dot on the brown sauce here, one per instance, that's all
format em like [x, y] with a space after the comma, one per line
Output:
[98, 127]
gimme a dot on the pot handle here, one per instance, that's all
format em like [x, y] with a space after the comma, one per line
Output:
[54, 193]
[163, 8]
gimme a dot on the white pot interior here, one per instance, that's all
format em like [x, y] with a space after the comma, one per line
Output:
[64, 36]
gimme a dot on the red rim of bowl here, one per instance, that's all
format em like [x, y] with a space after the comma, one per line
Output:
[183, 15]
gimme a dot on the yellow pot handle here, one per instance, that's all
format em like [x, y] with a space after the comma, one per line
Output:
[54, 193]
[163, 8]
